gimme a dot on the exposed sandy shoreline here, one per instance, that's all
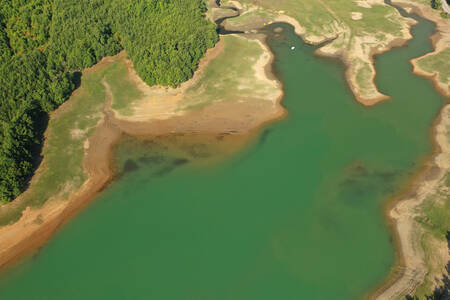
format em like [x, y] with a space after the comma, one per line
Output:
[36, 226]
[410, 269]
[157, 112]
[349, 74]
[370, 95]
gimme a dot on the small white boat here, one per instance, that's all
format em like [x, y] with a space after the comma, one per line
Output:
[292, 48]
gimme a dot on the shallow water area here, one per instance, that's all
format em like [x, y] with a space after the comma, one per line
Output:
[297, 214]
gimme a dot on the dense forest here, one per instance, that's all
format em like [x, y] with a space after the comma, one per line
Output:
[44, 42]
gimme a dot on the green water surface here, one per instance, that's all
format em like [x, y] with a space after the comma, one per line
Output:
[296, 215]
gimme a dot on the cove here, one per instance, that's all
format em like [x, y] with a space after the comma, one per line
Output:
[298, 214]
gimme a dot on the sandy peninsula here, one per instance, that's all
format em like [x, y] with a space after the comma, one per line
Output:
[231, 118]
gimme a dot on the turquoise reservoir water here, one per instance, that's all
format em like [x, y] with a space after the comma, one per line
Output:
[298, 214]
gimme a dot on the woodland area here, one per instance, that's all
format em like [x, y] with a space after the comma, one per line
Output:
[45, 42]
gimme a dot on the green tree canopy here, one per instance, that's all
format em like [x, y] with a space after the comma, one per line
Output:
[42, 42]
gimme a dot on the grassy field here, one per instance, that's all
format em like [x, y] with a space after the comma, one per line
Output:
[62, 171]
[251, 17]
[435, 221]
[122, 87]
[437, 63]
[231, 76]
[322, 18]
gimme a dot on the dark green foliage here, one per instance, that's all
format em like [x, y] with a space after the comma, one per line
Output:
[27, 23]
[436, 4]
[166, 47]
[81, 33]
[43, 41]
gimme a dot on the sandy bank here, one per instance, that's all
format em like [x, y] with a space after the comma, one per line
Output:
[248, 102]
[411, 268]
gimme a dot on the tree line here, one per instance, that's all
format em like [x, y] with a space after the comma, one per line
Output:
[43, 42]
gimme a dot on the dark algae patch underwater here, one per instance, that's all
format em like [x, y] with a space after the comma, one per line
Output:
[295, 215]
